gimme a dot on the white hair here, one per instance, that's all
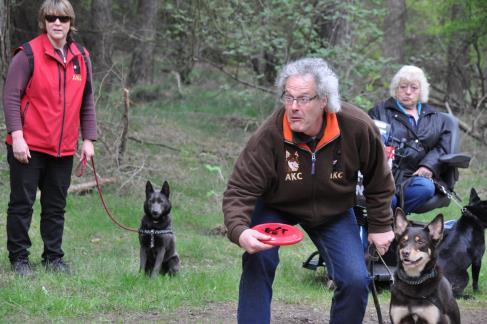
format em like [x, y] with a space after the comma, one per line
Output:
[411, 73]
[326, 81]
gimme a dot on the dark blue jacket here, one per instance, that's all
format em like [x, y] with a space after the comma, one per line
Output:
[423, 145]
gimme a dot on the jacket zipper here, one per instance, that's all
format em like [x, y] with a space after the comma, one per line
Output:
[59, 82]
[313, 162]
[64, 114]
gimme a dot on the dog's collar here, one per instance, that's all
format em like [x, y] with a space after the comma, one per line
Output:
[155, 232]
[413, 281]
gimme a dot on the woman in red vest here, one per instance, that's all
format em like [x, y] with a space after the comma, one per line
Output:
[48, 97]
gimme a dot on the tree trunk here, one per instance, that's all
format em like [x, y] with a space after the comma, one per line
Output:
[4, 38]
[101, 20]
[142, 64]
[457, 79]
[333, 24]
[394, 32]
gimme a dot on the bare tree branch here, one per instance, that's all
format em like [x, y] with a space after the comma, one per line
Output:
[135, 139]
[234, 77]
[465, 127]
[125, 129]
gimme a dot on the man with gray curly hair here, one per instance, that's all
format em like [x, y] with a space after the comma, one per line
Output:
[301, 167]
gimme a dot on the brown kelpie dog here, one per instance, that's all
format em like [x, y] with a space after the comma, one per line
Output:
[157, 241]
[420, 293]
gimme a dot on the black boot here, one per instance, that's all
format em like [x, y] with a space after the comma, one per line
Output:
[56, 265]
[23, 268]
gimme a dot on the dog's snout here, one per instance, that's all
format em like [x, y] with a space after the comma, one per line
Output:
[405, 253]
[156, 209]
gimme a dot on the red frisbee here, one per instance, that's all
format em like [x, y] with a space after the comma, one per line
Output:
[281, 234]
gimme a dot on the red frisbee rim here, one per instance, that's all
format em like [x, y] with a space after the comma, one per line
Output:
[281, 234]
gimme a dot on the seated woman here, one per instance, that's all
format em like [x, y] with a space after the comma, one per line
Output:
[419, 134]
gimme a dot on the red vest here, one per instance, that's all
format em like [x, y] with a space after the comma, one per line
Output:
[50, 107]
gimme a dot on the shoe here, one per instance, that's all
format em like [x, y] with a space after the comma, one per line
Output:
[23, 268]
[56, 265]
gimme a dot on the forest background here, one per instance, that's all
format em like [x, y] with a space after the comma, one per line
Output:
[181, 85]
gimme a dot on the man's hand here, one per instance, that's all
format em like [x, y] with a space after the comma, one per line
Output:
[423, 172]
[381, 241]
[19, 147]
[251, 241]
[87, 150]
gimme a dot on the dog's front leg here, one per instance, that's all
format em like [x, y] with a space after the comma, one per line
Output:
[475, 273]
[143, 258]
[158, 263]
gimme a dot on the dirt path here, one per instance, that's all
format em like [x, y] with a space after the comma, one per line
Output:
[282, 314]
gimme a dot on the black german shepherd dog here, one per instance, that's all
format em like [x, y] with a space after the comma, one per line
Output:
[420, 293]
[157, 241]
[464, 245]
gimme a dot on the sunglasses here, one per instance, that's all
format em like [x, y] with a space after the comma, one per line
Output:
[52, 18]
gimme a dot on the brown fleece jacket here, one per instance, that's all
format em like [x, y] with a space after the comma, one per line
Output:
[311, 187]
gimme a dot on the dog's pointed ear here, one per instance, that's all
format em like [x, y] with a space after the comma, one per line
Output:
[474, 197]
[400, 222]
[435, 227]
[148, 188]
[165, 189]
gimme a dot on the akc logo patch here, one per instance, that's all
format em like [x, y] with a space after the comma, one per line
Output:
[292, 164]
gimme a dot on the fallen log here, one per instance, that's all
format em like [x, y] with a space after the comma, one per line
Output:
[88, 186]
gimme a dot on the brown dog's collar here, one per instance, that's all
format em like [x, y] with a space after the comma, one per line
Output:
[413, 281]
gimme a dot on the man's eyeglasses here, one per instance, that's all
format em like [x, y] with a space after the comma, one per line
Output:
[52, 18]
[301, 101]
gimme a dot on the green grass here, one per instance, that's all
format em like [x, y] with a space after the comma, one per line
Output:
[105, 258]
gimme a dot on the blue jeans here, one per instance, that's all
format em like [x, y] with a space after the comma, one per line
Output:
[340, 246]
[416, 193]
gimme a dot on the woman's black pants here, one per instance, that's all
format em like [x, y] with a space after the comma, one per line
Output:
[52, 175]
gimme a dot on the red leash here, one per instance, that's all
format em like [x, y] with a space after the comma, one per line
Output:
[79, 172]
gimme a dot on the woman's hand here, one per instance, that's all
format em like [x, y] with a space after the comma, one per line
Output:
[87, 150]
[20, 148]
[423, 172]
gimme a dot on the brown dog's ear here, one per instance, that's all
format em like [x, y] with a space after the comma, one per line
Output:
[165, 189]
[400, 222]
[436, 228]
[148, 188]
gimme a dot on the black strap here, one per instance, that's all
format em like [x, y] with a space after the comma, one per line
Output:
[85, 59]
[30, 56]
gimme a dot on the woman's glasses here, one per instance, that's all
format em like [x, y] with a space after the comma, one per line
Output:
[52, 18]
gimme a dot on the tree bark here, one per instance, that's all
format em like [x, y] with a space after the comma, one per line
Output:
[4, 38]
[102, 22]
[457, 79]
[333, 25]
[394, 28]
[142, 64]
